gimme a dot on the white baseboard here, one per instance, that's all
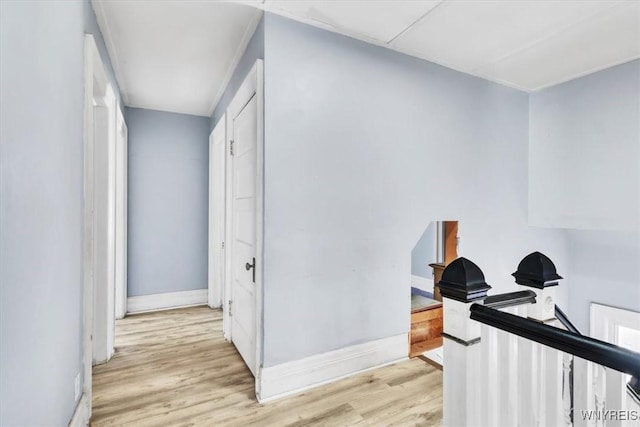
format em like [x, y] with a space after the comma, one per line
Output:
[282, 380]
[422, 283]
[80, 416]
[166, 300]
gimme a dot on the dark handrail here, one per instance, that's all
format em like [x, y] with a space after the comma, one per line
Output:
[562, 318]
[588, 348]
[510, 299]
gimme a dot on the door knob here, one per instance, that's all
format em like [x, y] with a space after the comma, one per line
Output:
[248, 267]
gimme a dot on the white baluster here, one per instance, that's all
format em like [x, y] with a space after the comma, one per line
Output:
[599, 395]
[507, 375]
[584, 393]
[547, 408]
[529, 401]
[552, 389]
[490, 360]
[567, 384]
[616, 397]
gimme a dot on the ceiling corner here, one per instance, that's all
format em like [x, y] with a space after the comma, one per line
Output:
[242, 47]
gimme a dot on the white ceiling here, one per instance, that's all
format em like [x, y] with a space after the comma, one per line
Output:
[526, 44]
[174, 55]
[179, 55]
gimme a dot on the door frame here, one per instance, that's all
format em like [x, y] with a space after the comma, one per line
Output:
[253, 85]
[216, 293]
[594, 381]
[121, 206]
[604, 321]
[97, 92]
[101, 144]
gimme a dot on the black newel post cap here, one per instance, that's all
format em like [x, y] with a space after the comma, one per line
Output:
[537, 271]
[462, 280]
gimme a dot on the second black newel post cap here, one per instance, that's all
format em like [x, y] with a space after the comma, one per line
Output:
[537, 271]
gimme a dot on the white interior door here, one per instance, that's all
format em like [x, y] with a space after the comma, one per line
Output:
[121, 217]
[217, 193]
[243, 225]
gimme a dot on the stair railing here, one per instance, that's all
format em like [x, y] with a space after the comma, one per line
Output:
[515, 359]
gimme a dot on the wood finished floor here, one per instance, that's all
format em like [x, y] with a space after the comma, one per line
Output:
[173, 368]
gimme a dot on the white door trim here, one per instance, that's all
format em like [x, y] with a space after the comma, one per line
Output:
[103, 220]
[216, 251]
[95, 84]
[121, 216]
[591, 381]
[226, 291]
[604, 321]
[252, 85]
[80, 417]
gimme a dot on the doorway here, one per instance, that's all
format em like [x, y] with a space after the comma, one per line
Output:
[235, 218]
[434, 250]
[217, 214]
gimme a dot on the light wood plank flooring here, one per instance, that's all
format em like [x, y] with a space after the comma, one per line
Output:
[173, 368]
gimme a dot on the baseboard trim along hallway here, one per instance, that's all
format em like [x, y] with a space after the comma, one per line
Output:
[275, 382]
[166, 301]
[81, 414]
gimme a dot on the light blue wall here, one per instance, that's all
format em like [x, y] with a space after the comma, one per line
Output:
[424, 253]
[41, 209]
[168, 201]
[604, 269]
[254, 51]
[584, 152]
[600, 115]
[351, 131]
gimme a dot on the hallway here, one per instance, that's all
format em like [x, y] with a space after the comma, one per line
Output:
[174, 368]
